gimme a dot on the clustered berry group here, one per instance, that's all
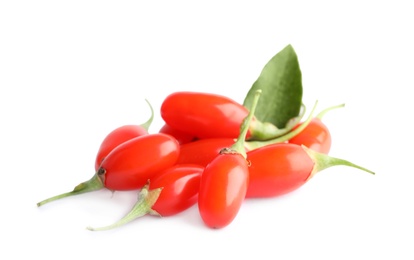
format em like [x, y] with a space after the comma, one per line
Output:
[216, 150]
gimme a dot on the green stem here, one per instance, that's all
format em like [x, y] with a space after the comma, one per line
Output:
[239, 145]
[143, 206]
[324, 161]
[95, 183]
[262, 131]
[251, 145]
[148, 123]
[323, 112]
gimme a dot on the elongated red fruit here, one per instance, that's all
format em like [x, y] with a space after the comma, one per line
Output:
[172, 191]
[203, 151]
[120, 135]
[129, 165]
[223, 187]
[132, 163]
[204, 115]
[281, 168]
[117, 137]
[181, 136]
[225, 179]
[316, 134]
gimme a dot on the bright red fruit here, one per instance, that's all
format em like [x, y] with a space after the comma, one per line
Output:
[121, 135]
[223, 188]
[129, 165]
[315, 136]
[172, 191]
[180, 185]
[181, 136]
[277, 169]
[203, 151]
[225, 179]
[204, 115]
[117, 137]
[132, 163]
[281, 168]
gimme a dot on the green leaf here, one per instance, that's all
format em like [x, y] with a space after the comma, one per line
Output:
[281, 85]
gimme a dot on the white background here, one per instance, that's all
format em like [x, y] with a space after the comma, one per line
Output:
[71, 71]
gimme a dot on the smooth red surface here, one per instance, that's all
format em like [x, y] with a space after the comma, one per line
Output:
[315, 136]
[223, 188]
[180, 185]
[204, 115]
[277, 169]
[133, 162]
[181, 136]
[203, 151]
[117, 137]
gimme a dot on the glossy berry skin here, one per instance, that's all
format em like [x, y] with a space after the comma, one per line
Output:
[277, 169]
[315, 136]
[172, 191]
[204, 115]
[117, 137]
[223, 188]
[180, 185]
[203, 151]
[133, 162]
[181, 136]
